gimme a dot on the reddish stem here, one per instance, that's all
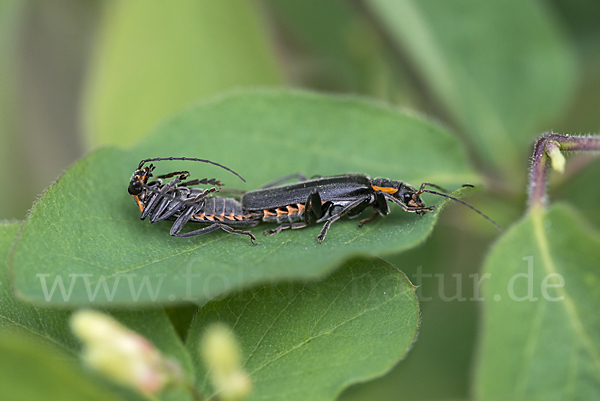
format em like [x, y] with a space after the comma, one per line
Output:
[539, 162]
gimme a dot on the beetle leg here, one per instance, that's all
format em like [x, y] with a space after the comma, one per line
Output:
[278, 229]
[160, 208]
[368, 219]
[323, 232]
[381, 208]
[149, 206]
[214, 227]
[185, 216]
[284, 226]
[160, 195]
[336, 216]
[381, 204]
[428, 184]
[417, 210]
[358, 209]
[239, 232]
[174, 208]
[312, 208]
[200, 196]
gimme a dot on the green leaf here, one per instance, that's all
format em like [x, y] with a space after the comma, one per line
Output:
[50, 326]
[542, 344]
[581, 189]
[501, 68]
[439, 365]
[87, 227]
[30, 370]
[18, 316]
[310, 341]
[350, 54]
[154, 58]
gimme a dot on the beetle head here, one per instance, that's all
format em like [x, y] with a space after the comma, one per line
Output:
[139, 179]
[399, 192]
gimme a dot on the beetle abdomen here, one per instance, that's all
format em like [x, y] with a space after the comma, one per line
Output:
[286, 214]
[226, 210]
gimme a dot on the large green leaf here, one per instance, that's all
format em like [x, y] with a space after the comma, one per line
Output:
[439, 365]
[154, 58]
[542, 344]
[309, 341]
[501, 67]
[50, 326]
[86, 226]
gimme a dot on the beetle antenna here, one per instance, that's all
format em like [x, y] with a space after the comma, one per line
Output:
[464, 203]
[189, 159]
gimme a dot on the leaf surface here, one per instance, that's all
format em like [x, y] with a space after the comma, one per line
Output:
[309, 341]
[31, 371]
[542, 304]
[50, 326]
[581, 189]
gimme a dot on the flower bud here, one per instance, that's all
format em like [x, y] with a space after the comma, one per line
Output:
[123, 355]
[222, 356]
[556, 156]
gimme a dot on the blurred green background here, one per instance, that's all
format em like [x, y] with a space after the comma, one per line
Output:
[77, 75]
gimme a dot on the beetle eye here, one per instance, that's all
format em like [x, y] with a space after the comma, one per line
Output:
[135, 187]
[407, 197]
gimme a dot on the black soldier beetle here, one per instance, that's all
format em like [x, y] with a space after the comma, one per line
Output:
[326, 199]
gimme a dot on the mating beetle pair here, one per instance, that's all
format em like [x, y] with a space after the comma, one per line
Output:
[297, 205]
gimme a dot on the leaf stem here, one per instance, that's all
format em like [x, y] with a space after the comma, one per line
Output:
[545, 147]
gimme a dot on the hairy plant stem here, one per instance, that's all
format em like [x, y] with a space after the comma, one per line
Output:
[546, 145]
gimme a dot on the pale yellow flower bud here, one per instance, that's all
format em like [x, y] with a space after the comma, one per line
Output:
[556, 156]
[222, 356]
[123, 355]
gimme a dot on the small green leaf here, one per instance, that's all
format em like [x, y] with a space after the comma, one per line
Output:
[541, 332]
[582, 190]
[85, 233]
[154, 58]
[501, 67]
[31, 371]
[310, 341]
